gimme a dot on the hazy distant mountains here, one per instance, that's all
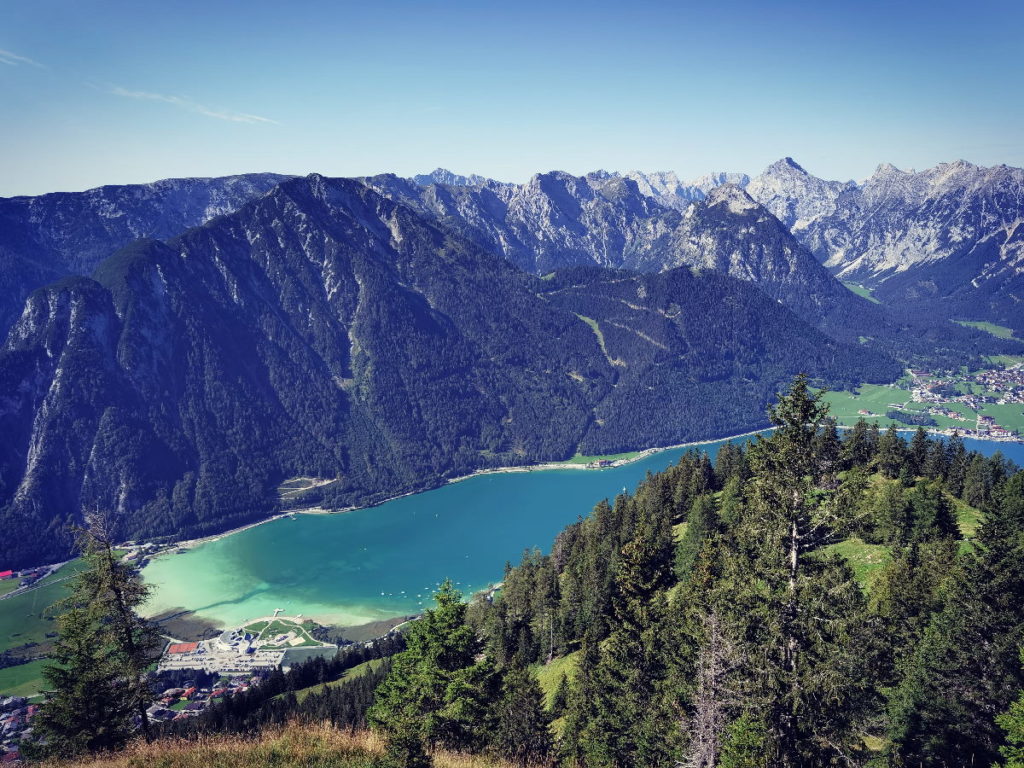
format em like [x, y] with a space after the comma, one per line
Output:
[325, 330]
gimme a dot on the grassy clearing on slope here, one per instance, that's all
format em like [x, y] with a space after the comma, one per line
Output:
[862, 291]
[580, 459]
[294, 746]
[357, 671]
[999, 331]
[1005, 360]
[22, 680]
[549, 675]
[596, 328]
[865, 559]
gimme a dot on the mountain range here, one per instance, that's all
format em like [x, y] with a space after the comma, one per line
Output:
[383, 334]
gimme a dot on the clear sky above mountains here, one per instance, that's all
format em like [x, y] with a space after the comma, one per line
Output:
[110, 91]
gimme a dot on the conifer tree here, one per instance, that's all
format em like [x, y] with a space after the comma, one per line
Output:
[1012, 723]
[521, 732]
[802, 613]
[436, 693]
[965, 669]
[891, 454]
[560, 697]
[701, 524]
[917, 453]
[100, 657]
[631, 708]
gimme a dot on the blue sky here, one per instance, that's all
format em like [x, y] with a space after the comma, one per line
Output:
[97, 92]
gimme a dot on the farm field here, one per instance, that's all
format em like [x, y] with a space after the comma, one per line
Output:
[871, 397]
[580, 459]
[22, 680]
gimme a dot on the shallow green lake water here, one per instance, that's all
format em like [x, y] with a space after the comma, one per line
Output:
[387, 560]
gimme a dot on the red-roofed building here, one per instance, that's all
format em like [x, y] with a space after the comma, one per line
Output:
[182, 647]
[6, 574]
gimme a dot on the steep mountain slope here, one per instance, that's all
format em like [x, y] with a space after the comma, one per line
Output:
[557, 220]
[46, 237]
[325, 330]
[945, 242]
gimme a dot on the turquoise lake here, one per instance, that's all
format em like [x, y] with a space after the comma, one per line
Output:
[385, 561]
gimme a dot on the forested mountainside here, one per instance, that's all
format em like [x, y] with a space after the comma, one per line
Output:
[51, 236]
[557, 220]
[948, 241]
[327, 331]
[802, 600]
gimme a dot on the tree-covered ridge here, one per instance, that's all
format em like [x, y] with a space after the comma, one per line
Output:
[748, 641]
[325, 331]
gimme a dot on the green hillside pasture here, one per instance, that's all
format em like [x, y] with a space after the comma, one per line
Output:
[356, 671]
[999, 331]
[862, 291]
[865, 559]
[1005, 361]
[22, 680]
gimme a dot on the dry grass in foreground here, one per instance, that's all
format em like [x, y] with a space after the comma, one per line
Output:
[294, 746]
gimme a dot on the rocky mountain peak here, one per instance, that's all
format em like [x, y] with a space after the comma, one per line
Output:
[737, 200]
[787, 166]
[444, 176]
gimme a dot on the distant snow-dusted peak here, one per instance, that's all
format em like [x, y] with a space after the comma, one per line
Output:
[444, 176]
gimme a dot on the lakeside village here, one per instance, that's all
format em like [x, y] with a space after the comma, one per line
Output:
[192, 676]
[938, 392]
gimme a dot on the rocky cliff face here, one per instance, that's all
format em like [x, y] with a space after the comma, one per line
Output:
[327, 331]
[943, 242]
[68, 233]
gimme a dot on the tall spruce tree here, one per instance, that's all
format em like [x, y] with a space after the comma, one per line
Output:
[631, 716]
[805, 638]
[521, 731]
[701, 524]
[436, 693]
[1012, 723]
[99, 660]
[965, 670]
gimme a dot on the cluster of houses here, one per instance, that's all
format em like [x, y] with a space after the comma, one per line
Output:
[15, 725]
[1004, 387]
[191, 699]
[27, 577]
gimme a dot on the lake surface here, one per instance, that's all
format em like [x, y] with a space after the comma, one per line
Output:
[387, 560]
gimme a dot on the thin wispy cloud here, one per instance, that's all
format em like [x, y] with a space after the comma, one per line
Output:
[12, 59]
[191, 106]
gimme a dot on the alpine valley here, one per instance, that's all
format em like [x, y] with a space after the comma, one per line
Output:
[175, 351]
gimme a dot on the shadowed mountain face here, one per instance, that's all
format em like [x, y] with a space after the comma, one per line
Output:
[324, 330]
[51, 236]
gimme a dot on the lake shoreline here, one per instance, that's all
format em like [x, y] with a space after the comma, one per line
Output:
[549, 466]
